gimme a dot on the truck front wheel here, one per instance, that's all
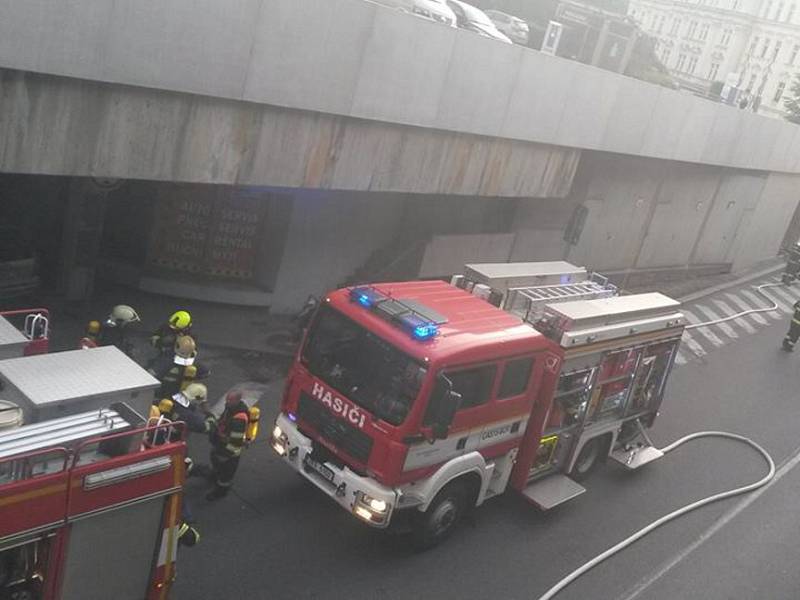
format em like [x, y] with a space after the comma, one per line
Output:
[438, 522]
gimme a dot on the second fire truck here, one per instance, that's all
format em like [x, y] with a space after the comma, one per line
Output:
[422, 399]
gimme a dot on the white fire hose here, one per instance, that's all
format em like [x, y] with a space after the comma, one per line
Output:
[675, 514]
[551, 593]
[744, 313]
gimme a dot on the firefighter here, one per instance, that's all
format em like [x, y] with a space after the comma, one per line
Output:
[187, 533]
[164, 338]
[92, 336]
[794, 329]
[171, 371]
[113, 330]
[227, 441]
[792, 265]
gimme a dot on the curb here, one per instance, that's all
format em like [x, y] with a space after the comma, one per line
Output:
[729, 284]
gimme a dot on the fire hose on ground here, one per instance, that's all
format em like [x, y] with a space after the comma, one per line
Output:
[551, 593]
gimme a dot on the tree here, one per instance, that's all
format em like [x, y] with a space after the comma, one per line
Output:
[645, 65]
[792, 102]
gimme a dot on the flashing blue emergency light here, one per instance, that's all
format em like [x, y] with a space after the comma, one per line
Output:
[366, 296]
[425, 332]
[292, 417]
[420, 329]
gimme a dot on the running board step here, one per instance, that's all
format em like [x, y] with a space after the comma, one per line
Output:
[634, 458]
[552, 490]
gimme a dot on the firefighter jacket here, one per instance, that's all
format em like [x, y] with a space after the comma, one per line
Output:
[163, 339]
[112, 334]
[796, 315]
[228, 434]
[171, 371]
[184, 410]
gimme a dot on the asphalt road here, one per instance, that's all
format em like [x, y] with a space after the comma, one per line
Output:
[277, 537]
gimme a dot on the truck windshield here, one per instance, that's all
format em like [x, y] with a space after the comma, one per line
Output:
[358, 364]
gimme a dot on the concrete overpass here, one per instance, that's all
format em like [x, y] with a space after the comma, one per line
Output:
[347, 95]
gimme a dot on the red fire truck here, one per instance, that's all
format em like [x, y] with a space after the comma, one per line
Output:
[90, 506]
[423, 399]
[24, 332]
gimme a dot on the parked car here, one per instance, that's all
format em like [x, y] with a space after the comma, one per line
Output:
[514, 27]
[434, 10]
[473, 19]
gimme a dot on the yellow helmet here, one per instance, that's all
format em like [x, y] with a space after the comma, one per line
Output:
[190, 372]
[165, 406]
[180, 320]
[185, 346]
[93, 328]
[196, 392]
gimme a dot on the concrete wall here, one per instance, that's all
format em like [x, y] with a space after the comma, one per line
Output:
[361, 60]
[59, 126]
[645, 214]
[329, 236]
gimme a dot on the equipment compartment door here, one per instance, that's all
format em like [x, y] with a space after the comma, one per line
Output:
[110, 555]
[565, 419]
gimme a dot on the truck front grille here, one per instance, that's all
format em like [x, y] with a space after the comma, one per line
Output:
[350, 439]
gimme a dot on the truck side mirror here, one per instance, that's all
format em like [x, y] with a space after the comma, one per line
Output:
[445, 412]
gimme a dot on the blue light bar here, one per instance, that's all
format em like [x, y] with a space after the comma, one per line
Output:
[421, 329]
[366, 296]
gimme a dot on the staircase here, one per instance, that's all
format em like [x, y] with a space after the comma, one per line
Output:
[398, 260]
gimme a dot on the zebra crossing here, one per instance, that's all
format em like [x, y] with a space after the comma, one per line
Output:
[698, 342]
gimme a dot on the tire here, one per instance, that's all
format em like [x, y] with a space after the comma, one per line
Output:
[440, 520]
[587, 459]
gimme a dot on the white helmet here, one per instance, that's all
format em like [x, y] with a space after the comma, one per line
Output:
[196, 392]
[123, 314]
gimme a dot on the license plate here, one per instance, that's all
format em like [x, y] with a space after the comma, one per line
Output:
[318, 468]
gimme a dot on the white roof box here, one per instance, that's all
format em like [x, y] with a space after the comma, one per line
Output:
[53, 385]
[502, 276]
[590, 321]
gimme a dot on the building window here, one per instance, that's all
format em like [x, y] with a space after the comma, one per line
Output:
[692, 29]
[692, 65]
[676, 25]
[795, 52]
[726, 37]
[790, 13]
[661, 24]
[778, 12]
[752, 83]
[767, 9]
[713, 71]
[753, 45]
[765, 48]
[735, 5]
[681, 62]
[704, 32]
[777, 49]
[665, 56]
[779, 92]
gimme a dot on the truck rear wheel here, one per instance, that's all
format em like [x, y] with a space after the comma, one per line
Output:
[587, 459]
[440, 520]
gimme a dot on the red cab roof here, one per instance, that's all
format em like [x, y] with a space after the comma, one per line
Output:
[474, 329]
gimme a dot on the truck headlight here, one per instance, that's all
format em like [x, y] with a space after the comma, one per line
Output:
[377, 505]
[279, 441]
[372, 510]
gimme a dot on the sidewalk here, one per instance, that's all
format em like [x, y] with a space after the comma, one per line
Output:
[694, 288]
